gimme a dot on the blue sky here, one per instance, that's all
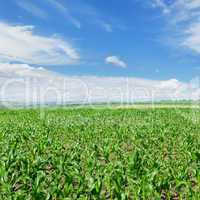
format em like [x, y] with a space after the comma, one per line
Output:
[98, 50]
[139, 33]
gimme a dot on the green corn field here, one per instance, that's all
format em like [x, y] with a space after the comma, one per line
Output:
[102, 153]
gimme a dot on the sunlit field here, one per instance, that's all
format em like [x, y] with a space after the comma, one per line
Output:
[84, 153]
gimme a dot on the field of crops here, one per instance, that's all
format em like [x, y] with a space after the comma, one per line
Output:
[100, 154]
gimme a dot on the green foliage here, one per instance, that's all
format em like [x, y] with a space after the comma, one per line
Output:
[99, 154]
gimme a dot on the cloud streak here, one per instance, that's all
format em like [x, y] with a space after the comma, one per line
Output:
[32, 9]
[65, 12]
[21, 44]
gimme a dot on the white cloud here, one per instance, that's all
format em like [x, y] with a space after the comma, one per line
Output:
[20, 43]
[32, 8]
[192, 37]
[21, 70]
[162, 5]
[188, 4]
[114, 60]
[183, 17]
[26, 84]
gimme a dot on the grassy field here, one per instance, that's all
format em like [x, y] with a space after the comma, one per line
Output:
[100, 154]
